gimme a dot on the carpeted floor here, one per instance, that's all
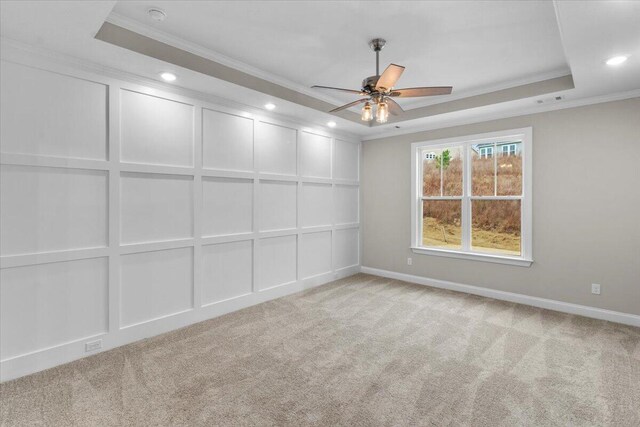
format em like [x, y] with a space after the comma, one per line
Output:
[363, 351]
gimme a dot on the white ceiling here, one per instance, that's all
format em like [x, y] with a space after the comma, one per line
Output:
[469, 45]
[475, 46]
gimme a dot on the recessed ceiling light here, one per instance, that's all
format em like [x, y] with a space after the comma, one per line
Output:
[617, 60]
[168, 77]
[269, 106]
[331, 124]
[157, 14]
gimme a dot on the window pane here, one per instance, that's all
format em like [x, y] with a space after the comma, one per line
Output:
[495, 226]
[431, 177]
[441, 223]
[510, 170]
[482, 170]
[452, 171]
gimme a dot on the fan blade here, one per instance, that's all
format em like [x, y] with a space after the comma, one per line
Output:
[349, 105]
[390, 76]
[359, 92]
[421, 91]
[394, 107]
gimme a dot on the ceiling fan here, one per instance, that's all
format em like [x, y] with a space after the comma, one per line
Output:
[378, 90]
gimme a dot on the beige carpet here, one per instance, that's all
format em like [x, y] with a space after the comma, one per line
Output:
[362, 351]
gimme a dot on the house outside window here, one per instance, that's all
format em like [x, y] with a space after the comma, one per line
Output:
[468, 203]
[508, 149]
[486, 152]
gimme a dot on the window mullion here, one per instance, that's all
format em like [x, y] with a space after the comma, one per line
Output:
[466, 204]
[441, 174]
[495, 169]
[420, 191]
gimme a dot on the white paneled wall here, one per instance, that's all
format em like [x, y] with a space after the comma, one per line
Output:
[227, 206]
[43, 305]
[155, 130]
[155, 207]
[225, 274]
[276, 148]
[316, 208]
[52, 209]
[126, 212]
[278, 205]
[315, 254]
[155, 284]
[277, 262]
[81, 124]
[227, 141]
[346, 247]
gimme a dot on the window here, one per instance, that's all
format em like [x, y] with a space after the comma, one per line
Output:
[468, 203]
[509, 149]
[486, 152]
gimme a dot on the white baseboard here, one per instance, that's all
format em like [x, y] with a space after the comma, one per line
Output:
[40, 360]
[549, 304]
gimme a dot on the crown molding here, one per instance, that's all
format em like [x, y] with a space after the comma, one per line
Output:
[618, 96]
[10, 48]
[38, 57]
[483, 90]
[196, 49]
[150, 47]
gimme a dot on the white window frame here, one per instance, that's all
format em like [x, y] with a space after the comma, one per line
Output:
[526, 257]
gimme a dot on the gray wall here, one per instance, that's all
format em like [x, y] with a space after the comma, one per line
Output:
[586, 208]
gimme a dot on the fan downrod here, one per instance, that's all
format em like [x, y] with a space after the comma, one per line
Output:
[376, 45]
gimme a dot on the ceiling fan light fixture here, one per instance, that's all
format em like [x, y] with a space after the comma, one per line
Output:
[367, 112]
[379, 89]
[382, 112]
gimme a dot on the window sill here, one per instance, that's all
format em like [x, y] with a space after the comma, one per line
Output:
[498, 259]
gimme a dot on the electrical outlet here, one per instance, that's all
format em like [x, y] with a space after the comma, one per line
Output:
[93, 345]
[409, 261]
[595, 289]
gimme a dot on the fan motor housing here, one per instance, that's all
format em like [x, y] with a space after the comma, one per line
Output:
[370, 83]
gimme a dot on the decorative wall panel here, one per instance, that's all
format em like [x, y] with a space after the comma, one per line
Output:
[50, 114]
[45, 209]
[227, 206]
[155, 130]
[315, 155]
[276, 149]
[277, 261]
[155, 284]
[50, 304]
[225, 271]
[227, 141]
[155, 207]
[315, 254]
